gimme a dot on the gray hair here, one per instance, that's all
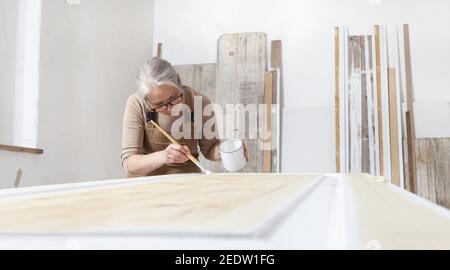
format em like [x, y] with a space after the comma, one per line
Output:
[155, 72]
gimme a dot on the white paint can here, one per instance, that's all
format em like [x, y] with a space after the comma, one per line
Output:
[232, 153]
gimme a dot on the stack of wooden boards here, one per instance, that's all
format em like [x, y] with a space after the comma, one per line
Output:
[374, 109]
[369, 116]
[241, 76]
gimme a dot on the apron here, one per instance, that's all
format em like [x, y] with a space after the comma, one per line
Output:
[155, 141]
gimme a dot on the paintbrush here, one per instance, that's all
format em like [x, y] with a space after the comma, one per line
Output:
[190, 156]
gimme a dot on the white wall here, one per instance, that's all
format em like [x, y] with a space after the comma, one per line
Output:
[88, 63]
[8, 27]
[189, 32]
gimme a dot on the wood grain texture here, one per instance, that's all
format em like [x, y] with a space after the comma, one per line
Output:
[336, 99]
[219, 203]
[354, 104]
[422, 174]
[20, 149]
[241, 65]
[412, 183]
[394, 129]
[379, 96]
[359, 151]
[267, 129]
[202, 78]
[276, 62]
[431, 148]
[442, 171]
[432, 169]
[411, 135]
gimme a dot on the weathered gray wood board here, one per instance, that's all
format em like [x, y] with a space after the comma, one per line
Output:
[202, 78]
[358, 116]
[433, 169]
[241, 66]
[276, 62]
[337, 111]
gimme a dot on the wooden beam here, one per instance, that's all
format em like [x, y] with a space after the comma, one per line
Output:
[336, 99]
[394, 129]
[411, 135]
[159, 50]
[379, 96]
[276, 62]
[411, 149]
[267, 136]
[12, 148]
[18, 178]
[276, 54]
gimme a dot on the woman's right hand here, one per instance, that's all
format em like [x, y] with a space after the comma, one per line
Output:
[175, 153]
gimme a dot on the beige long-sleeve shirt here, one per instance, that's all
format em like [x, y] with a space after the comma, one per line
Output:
[133, 127]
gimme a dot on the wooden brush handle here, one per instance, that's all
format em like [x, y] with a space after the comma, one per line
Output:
[190, 156]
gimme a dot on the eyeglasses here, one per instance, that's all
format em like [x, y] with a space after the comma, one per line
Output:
[163, 107]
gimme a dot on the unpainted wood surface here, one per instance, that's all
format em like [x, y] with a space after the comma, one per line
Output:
[394, 129]
[379, 96]
[411, 134]
[432, 169]
[224, 203]
[267, 128]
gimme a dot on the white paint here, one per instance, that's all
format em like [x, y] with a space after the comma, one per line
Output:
[371, 110]
[375, 108]
[26, 102]
[8, 40]
[384, 60]
[88, 61]
[189, 32]
[343, 99]
[337, 228]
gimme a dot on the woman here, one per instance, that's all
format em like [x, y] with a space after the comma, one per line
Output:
[145, 150]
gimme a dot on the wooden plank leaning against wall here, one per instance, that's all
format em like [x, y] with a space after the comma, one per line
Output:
[276, 65]
[336, 99]
[394, 129]
[241, 67]
[410, 131]
[267, 127]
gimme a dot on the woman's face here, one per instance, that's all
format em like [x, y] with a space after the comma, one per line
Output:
[163, 98]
